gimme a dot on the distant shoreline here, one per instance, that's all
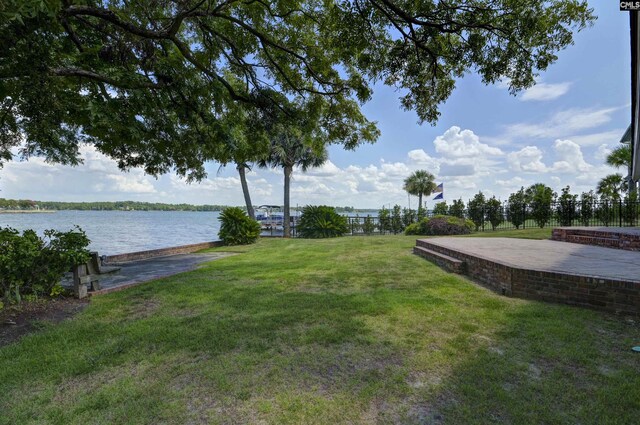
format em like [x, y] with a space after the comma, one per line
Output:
[26, 211]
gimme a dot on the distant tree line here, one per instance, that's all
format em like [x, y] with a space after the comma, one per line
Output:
[25, 204]
[28, 204]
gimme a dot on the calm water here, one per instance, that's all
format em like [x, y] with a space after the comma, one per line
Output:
[116, 232]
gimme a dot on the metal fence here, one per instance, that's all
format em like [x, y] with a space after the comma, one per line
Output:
[616, 213]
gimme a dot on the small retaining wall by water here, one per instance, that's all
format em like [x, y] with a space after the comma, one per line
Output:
[162, 252]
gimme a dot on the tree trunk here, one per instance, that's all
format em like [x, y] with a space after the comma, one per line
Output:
[419, 202]
[245, 190]
[286, 230]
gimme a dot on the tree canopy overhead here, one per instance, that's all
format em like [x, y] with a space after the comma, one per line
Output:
[154, 83]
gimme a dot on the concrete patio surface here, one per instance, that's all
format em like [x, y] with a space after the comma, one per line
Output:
[136, 272]
[551, 256]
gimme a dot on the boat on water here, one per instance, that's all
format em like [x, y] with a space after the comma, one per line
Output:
[271, 217]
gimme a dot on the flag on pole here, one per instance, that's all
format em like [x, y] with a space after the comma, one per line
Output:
[439, 188]
[440, 196]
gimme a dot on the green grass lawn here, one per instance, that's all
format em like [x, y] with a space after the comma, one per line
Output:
[528, 233]
[355, 330]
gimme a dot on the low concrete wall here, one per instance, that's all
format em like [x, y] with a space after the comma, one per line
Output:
[162, 252]
[612, 295]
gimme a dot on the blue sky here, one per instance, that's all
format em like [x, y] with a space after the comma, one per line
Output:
[486, 140]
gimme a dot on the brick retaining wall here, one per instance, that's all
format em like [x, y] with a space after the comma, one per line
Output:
[616, 296]
[162, 252]
[608, 238]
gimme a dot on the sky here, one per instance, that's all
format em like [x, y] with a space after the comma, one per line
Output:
[558, 133]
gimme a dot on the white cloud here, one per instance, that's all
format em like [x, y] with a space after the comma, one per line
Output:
[468, 186]
[396, 169]
[130, 184]
[464, 162]
[527, 159]
[602, 153]
[562, 124]
[611, 137]
[457, 143]
[513, 183]
[545, 91]
[570, 157]
[420, 157]
[326, 169]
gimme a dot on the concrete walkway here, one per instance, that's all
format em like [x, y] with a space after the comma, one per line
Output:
[552, 256]
[136, 272]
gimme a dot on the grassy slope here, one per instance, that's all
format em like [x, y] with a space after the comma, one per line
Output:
[350, 330]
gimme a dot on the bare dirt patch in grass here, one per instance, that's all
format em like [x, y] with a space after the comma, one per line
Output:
[17, 321]
[143, 308]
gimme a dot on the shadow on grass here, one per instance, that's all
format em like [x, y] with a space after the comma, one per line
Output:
[546, 364]
[415, 346]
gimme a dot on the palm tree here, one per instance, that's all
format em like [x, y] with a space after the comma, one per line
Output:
[420, 183]
[242, 153]
[620, 156]
[611, 186]
[288, 151]
[243, 163]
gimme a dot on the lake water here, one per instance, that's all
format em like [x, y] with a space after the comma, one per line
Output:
[117, 232]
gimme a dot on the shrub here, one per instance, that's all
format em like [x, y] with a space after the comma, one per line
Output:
[354, 224]
[441, 225]
[408, 216]
[605, 211]
[368, 227]
[397, 226]
[517, 208]
[495, 214]
[540, 197]
[441, 208]
[321, 222]
[587, 210]
[62, 250]
[566, 207]
[457, 208]
[237, 228]
[33, 266]
[475, 209]
[384, 220]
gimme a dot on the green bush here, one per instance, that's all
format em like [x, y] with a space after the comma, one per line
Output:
[441, 208]
[34, 266]
[441, 225]
[495, 212]
[321, 222]
[566, 207]
[476, 210]
[587, 209]
[457, 208]
[517, 208]
[397, 225]
[605, 211]
[540, 197]
[408, 216]
[384, 220]
[237, 228]
[368, 227]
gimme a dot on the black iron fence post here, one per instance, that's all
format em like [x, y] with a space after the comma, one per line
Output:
[620, 212]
